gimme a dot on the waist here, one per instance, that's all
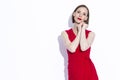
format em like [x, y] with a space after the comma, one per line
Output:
[78, 58]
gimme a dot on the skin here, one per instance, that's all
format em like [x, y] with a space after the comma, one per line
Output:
[80, 16]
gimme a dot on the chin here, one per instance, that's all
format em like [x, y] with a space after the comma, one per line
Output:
[78, 22]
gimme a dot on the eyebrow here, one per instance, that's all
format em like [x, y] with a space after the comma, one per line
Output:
[83, 12]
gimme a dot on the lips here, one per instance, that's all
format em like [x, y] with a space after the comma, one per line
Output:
[79, 18]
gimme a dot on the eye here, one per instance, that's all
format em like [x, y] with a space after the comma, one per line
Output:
[84, 14]
[78, 11]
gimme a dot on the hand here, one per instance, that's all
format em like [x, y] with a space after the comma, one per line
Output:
[79, 26]
[85, 26]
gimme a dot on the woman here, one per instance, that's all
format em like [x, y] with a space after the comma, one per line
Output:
[78, 41]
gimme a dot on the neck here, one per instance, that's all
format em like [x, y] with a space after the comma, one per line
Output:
[76, 26]
[75, 29]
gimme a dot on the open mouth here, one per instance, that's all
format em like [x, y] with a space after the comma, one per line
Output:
[79, 18]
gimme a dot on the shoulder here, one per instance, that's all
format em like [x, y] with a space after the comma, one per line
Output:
[65, 32]
[90, 33]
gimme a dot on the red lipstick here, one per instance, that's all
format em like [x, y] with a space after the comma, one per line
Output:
[79, 18]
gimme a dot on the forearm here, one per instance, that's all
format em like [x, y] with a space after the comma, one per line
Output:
[83, 40]
[74, 44]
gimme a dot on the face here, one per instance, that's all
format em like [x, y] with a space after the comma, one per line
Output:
[80, 15]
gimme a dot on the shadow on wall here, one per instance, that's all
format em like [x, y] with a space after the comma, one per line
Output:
[65, 56]
[70, 23]
[63, 50]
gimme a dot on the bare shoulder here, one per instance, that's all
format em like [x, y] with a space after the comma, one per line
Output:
[92, 34]
[63, 33]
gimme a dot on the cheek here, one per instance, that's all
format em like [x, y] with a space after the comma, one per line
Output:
[76, 15]
[85, 18]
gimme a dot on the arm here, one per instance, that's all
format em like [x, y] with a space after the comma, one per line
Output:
[86, 43]
[71, 46]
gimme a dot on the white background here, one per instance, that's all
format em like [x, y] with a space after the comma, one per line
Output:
[31, 47]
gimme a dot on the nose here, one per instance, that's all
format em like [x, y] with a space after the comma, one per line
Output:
[80, 15]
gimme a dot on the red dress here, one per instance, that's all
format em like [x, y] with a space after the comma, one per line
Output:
[80, 66]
